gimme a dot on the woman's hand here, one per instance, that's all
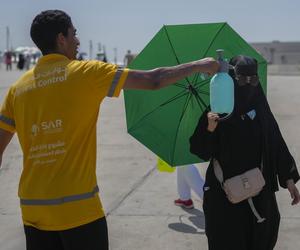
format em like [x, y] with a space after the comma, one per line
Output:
[212, 121]
[293, 191]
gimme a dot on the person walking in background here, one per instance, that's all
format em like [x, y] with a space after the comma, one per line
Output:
[188, 178]
[53, 109]
[8, 60]
[128, 58]
[21, 62]
[250, 138]
[27, 61]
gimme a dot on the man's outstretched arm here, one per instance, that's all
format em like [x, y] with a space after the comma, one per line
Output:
[5, 138]
[164, 76]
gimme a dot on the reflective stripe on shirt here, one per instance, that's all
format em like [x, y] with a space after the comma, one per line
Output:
[7, 120]
[59, 201]
[115, 82]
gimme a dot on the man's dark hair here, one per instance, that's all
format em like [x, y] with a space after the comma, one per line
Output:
[46, 26]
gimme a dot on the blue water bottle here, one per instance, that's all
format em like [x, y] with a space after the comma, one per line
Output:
[222, 89]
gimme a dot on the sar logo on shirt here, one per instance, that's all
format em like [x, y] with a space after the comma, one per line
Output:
[35, 130]
[47, 127]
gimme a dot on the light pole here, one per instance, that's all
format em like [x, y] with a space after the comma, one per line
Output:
[115, 55]
[91, 50]
[99, 47]
[7, 38]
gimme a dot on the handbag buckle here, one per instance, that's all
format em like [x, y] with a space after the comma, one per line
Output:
[245, 182]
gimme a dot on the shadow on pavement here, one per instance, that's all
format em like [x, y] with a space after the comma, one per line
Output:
[194, 225]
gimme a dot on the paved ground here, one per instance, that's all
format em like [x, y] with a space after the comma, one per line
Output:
[139, 200]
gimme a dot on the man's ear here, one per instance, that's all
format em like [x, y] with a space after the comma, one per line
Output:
[60, 40]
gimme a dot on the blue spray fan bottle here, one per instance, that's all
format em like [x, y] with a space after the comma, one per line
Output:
[222, 89]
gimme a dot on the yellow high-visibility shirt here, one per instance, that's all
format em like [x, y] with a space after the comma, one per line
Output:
[54, 110]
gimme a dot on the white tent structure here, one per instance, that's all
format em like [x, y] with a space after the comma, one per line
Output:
[33, 51]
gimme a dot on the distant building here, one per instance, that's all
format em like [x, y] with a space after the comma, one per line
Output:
[277, 52]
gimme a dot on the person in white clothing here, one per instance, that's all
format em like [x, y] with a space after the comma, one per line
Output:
[188, 178]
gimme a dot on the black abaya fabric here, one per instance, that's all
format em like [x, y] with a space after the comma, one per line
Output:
[239, 144]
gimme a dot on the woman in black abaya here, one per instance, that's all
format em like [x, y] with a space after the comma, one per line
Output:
[249, 138]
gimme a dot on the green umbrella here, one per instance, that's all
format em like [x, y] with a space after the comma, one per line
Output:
[164, 120]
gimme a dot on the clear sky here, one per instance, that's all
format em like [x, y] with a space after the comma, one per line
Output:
[131, 24]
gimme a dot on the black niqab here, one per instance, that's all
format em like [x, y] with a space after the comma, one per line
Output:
[246, 96]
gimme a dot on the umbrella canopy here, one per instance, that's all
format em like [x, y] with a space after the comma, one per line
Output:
[164, 120]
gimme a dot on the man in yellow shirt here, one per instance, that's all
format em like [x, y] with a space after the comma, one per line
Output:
[54, 108]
